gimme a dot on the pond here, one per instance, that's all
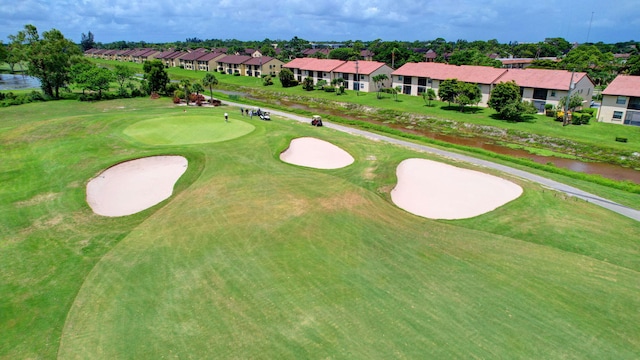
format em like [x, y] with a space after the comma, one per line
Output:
[18, 82]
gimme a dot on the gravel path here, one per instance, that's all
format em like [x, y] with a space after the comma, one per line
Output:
[569, 190]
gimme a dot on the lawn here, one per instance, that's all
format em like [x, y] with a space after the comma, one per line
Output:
[255, 258]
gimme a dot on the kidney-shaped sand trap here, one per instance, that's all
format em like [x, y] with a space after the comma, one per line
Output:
[135, 185]
[439, 191]
[316, 153]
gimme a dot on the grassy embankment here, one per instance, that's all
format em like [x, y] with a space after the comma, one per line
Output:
[255, 258]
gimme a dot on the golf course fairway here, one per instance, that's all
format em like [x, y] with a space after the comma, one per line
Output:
[252, 257]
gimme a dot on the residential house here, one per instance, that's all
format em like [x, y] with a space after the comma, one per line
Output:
[416, 78]
[543, 86]
[316, 69]
[430, 56]
[311, 52]
[233, 64]
[143, 55]
[366, 55]
[125, 55]
[167, 57]
[189, 60]
[263, 65]
[209, 62]
[621, 101]
[358, 75]
[173, 59]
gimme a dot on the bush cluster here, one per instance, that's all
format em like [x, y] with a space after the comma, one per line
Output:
[9, 98]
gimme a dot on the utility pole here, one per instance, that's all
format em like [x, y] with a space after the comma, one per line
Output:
[565, 117]
[357, 83]
[589, 31]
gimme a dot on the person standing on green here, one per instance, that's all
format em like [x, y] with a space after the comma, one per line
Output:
[226, 117]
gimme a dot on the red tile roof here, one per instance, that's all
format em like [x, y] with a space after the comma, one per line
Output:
[194, 55]
[324, 65]
[298, 63]
[364, 67]
[439, 71]
[624, 85]
[541, 78]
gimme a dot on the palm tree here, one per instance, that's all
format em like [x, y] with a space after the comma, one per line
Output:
[379, 80]
[210, 81]
[186, 84]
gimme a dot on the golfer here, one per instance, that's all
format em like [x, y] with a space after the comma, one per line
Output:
[226, 117]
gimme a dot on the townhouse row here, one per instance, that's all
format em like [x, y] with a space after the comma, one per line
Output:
[253, 64]
[620, 103]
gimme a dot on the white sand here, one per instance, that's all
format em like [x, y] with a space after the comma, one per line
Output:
[316, 153]
[439, 191]
[135, 185]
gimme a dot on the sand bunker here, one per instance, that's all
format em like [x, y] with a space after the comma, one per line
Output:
[439, 191]
[136, 185]
[316, 153]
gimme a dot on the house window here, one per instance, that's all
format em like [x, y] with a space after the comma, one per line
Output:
[621, 100]
[421, 90]
[617, 115]
[399, 77]
[429, 81]
[422, 82]
[553, 93]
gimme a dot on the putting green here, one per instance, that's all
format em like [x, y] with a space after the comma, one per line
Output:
[187, 129]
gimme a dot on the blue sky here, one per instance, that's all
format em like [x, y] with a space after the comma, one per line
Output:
[328, 20]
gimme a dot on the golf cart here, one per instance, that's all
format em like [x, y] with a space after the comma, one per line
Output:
[263, 115]
[316, 120]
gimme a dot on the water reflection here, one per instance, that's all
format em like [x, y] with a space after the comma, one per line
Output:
[18, 82]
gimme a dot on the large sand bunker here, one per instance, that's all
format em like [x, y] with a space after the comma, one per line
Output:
[440, 191]
[135, 185]
[316, 153]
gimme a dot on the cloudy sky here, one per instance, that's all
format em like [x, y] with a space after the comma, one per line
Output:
[327, 20]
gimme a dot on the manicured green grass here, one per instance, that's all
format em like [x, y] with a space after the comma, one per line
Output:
[600, 134]
[185, 128]
[255, 258]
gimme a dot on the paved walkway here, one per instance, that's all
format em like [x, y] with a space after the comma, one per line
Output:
[569, 190]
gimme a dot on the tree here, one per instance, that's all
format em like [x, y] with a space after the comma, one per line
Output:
[100, 79]
[49, 57]
[429, 95]
[379, 80]
[505, 99]
[342, 54]
[186, 85]
[4, 53]
[155, 74]
[467, 94]
[121, 74]
[197, 88]
[472, 57]
[575, 101]
[87, 42]
[447, 90]
[338, 83]
[286, 78]
[307, 83]
[210, 81]
[632, 66]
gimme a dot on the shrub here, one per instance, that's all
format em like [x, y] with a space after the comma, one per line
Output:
[621, 139]
[236, 74]
[590, 111]
[36, 96]
[330, 89]
[548, 106]
[529, 108]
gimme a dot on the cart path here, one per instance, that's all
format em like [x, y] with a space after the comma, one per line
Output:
[552, 184]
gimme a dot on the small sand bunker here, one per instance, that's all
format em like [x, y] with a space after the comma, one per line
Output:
[439, 191]
[316, 153]
[135, 185]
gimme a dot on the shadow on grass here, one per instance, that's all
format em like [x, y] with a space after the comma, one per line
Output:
[465, 110]
[526, 118]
